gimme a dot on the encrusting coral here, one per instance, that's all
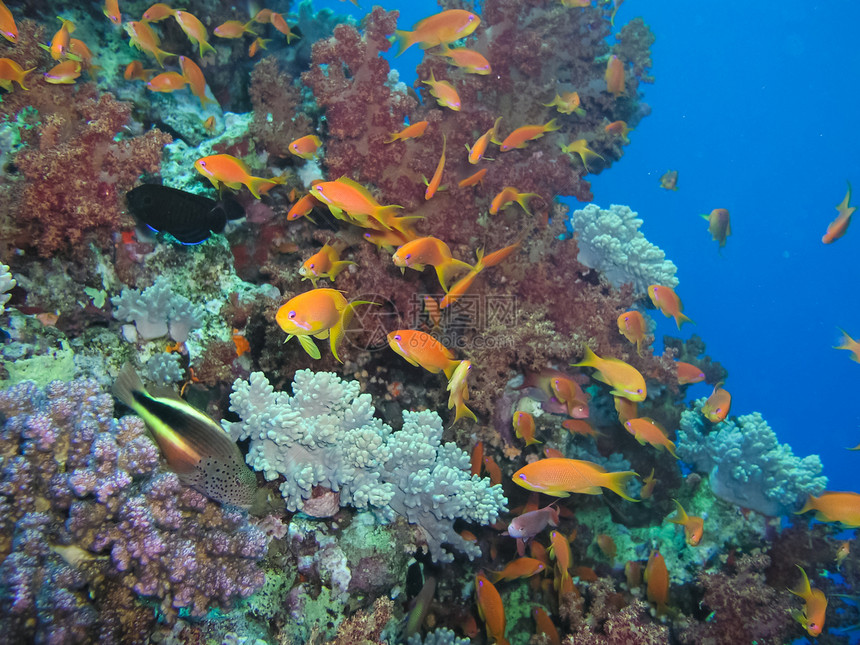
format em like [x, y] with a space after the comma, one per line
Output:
[87, 515]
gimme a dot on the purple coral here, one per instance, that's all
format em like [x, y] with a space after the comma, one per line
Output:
[88, 514]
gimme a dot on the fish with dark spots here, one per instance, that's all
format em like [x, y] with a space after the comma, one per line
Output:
[188, 217]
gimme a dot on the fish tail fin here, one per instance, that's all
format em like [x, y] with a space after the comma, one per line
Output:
[445, 270]
[670, 446]
[590, 359]
[803, 589]
[681, 516]
[337, 267]
[384, 214]
[462, 410]
[616, 482]
[551, 126]
[680, 319]
[450, 369]
[523, 201]
[337, 332]
[206, 47]
[458, 289]
[807, 506]
[160, 55]
[127, 383]
[496, 257]
[404, 40]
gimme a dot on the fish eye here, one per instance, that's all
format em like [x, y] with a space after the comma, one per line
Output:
[312, 266]
[639, 391]
[408, 255]
[398, 337]
[203, 163]
[522, 477]
[292, 314]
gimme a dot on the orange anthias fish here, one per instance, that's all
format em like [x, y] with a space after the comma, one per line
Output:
[433, 184]
[422, 350]
[717, 407]
[323, 313]
[568, 392]
[834, 507]
[522, 135]
[444, 93]
[440, 29]
[145, 39]
[64, 73]
[234, 29]
[620, 129]
[280, 23]
[579, 426]
[524, 427]
[625, 408]
[689, 374]
[459, 288]
[647, 430]
[507, 196]
[11, 71]
[196, 81]
[167, 82]
[493, 470]
[559, 550]
[632, 326]
[233, 173]
[241, 343]
[580, 147]
[544, 625]
[111, 10]
[158, 12]
[669, 180]
[429, 250]
[567, 103]
[59, 47]
[459, 389]
[347, 196]
[625, 380]
[843, 552]
[194, 30]
[134, 72]
[614, 76]
[607, 545]
[476, 459]
[847, 342]
[490, 609]
[648, 485]
[719, 225]
[302, 207]
[468, 60]
[411, 131]
[305, 147]
[257, 45]
[657, 579]
[477, 151]
[668, 302]
[694, 527]
[837, 227]
[8, 28]
[325, 263]
[471, 180]
[560, 477]
[519, 568]
[812, 616]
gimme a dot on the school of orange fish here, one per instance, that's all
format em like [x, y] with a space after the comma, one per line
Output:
[324, 313]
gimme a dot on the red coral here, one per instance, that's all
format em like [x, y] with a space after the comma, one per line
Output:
[73, 180]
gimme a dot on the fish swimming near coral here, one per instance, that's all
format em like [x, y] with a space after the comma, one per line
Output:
[195, 446]
[813, 613]
[560, 477]
[189, 218]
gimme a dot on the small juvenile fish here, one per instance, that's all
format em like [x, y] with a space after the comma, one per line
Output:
[669, 180]
[717, 407]
[195, 446]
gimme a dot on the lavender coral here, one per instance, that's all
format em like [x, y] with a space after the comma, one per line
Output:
[325, 435]
[157, 311]
[747, 464]
[88, 519]
[610, 241]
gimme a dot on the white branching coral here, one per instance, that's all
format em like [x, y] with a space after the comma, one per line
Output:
[326, 435]
[610, 241]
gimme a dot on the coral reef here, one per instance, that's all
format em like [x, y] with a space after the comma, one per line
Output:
[325, 435]
[610, 241]
[157, 311]
[746, 463]
[89, 517]
[7, 282]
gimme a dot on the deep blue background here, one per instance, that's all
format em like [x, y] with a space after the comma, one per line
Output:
[755, 105]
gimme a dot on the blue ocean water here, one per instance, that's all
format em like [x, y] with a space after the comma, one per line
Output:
[753, 105]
